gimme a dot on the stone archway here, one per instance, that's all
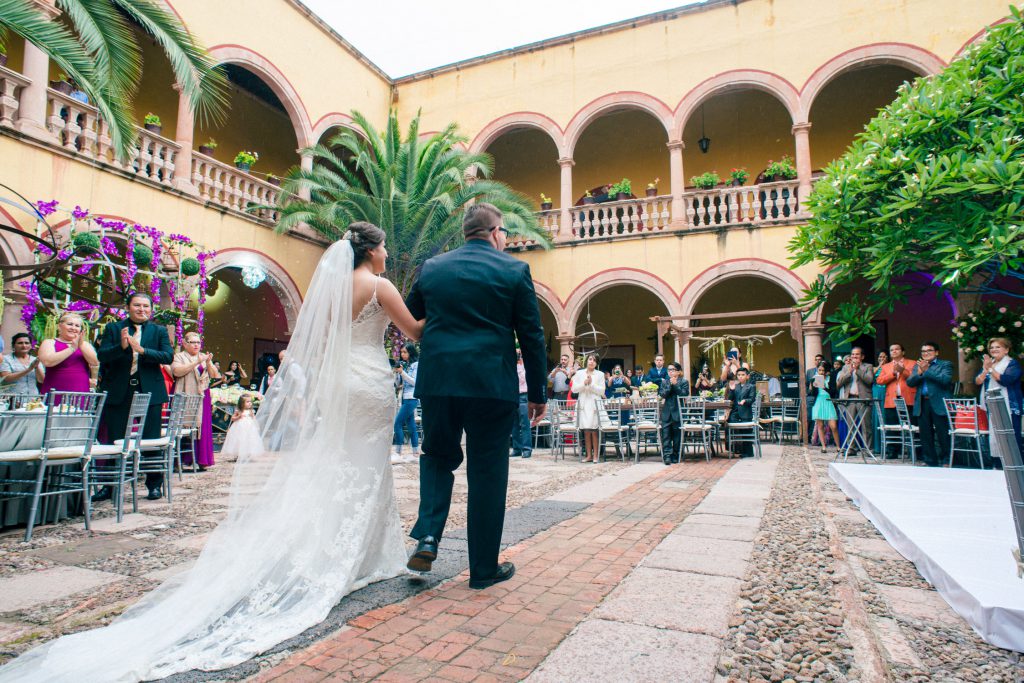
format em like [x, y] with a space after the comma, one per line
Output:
[277, 278]
[614, 102]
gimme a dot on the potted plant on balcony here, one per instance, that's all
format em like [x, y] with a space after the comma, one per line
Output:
[783, 169]
[739, 176]
[62, 84]
[588, 198]
[273, 180]
[208, 147]
[545, 202]
[621, 190]
[152, 123]
[705, 181]
[245, 159]
[652, 188]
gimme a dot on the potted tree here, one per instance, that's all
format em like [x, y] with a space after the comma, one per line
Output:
[588, 198]
[152, 123]
[245, 159]
[652, 188]
[273, 180]
[705, 181]
[739, 176]
[783, 169]
[545, 202]
[208, 147]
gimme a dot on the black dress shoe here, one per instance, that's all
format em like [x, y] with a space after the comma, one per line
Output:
[506, 570]
[155, 494]
[104, 493]
[424, 555]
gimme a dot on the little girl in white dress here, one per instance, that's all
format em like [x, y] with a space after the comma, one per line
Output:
[244, 434]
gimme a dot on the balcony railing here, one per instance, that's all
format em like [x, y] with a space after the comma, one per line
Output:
[11, 84]
[726, 206]
[221, 184]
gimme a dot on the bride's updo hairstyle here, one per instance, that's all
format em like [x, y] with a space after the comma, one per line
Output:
[364, 238]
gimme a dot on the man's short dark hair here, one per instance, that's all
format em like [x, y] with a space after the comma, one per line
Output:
[899, 345]
[20, 335]
[135, 295]
[659, 355]
[743, 370]
[480, 219]
[675, 365]
[931, 344]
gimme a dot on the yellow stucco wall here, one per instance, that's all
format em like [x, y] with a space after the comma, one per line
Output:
[326, 77]
[667, 59]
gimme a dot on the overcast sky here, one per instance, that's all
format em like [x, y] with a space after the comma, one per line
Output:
[406, 36]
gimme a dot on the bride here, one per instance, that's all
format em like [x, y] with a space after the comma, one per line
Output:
[312, 517]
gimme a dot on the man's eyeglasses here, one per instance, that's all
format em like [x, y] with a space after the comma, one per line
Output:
[927, 350]
[502, 228]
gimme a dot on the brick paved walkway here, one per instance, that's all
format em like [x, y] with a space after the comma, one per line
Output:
[452, 633]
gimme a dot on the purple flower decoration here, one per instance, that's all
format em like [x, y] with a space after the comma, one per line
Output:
[46, 208]
[84, 269]
[64, 254]
[109, 248]
[44, 250]
[80, 213]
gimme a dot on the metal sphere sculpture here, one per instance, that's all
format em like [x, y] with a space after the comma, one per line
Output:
[590, 339]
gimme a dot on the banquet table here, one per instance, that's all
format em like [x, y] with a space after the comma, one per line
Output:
[23, 430]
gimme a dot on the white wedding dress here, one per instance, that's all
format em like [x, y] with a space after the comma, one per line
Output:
[312, 517]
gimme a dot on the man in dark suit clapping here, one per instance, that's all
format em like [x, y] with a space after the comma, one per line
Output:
[131, 352]
[477, 301]
[671, 424]
[933, 379]
[743, 406]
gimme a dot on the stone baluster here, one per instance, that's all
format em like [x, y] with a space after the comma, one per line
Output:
[801, 138]
[34, 97]
[565, 165]
[676, 182]
[306, 164]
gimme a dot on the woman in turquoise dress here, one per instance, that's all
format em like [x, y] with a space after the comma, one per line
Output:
[878, 394]
[823, 412]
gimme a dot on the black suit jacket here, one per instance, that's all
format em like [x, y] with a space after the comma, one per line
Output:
[743, 392]
[116, 363]
[477, 301]
[671, 393]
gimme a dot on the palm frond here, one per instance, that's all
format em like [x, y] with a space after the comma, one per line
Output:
[205, 85]
[110, 40]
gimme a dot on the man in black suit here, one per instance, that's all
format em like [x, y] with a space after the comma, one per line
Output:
[743, 406]
[131, 352]
[671, 425]
[477, 301]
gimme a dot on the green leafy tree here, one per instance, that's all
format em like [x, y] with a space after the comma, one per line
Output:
[415, 190]
[97, 48]
[934, 184]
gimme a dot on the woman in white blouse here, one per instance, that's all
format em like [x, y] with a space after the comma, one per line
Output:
[588, 383]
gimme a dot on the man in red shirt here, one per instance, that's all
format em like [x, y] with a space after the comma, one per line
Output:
[893, 377]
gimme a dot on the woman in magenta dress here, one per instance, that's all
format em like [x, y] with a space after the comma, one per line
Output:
[192, 371]
[70, 361]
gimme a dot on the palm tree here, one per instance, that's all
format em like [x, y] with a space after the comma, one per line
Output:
[97, 48]
[415, 190]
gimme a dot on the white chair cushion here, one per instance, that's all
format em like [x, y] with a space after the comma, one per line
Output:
[106, 449]
[743, 424]
[697, 428]
[66, 452]
[148, 444]
[969, 432]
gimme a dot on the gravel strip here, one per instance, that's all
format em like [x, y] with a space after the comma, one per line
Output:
[789, 622]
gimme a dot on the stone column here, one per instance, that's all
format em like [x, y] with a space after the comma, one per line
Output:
[812, 345]
[185, 137]
[676, 182]
[801, 137]
[565, 345]
[34, 98]
[306, 164]
[565, 199]
[684, 358]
